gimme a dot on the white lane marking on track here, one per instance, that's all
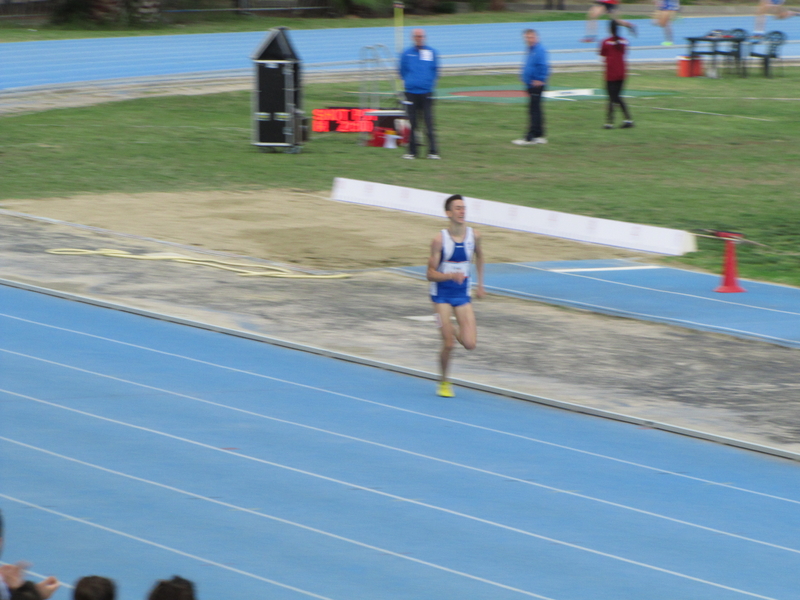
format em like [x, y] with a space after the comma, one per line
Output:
[642, 287]
[279, 520]
[638, 268]
[161, 546]
[415, 502]
[656, 318]
[417, 454]
[408, 411]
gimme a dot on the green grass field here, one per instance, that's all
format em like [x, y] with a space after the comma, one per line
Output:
[735, 169]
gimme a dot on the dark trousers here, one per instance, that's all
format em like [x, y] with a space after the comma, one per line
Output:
[536, 128]
[614, 89]
[415, 104]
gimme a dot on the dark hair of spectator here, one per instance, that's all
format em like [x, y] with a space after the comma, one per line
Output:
[94, 587]
[450, 200]
[612, 27]
[176, 588]
[27, 591]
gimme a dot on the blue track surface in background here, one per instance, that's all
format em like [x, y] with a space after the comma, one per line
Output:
[138, 449]
[27, 64]
[765, 311]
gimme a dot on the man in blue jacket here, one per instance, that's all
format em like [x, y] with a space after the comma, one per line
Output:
[534, 76]
[419, 68]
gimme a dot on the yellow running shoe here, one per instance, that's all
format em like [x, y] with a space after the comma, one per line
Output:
[445, 390]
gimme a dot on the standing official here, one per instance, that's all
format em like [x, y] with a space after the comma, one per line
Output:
[535, 72]
[419, 69]
[613, 51]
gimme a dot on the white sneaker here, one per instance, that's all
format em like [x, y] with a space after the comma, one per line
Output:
[523, 142]
[434, 157]
[539, 141]
[409, 156]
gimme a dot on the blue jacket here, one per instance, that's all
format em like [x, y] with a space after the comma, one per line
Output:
[419, 68]
[535, 67]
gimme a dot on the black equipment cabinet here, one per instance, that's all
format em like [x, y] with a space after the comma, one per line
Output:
[278, 116]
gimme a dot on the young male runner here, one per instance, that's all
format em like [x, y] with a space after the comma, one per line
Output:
[449, 264]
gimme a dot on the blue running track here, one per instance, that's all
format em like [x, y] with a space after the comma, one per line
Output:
[27, 64]
[138, 449]
[765, 311]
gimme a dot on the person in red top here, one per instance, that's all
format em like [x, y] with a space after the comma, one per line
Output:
[613, 51]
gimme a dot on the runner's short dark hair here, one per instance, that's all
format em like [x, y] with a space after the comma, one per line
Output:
[450, 200]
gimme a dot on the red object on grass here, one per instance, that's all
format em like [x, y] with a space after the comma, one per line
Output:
[729, 270]
[378, 137]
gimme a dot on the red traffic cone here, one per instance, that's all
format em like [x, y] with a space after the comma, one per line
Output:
[729, 270]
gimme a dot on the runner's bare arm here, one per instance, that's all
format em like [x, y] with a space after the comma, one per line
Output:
[433, 264]
[479, 262]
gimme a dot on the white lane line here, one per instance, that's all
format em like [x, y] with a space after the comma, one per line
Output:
[408, 411]
[657, 318]
[410, 501]
[642, 287]
[586, 270]
[162, 546]
[278, 520]
[418, 455]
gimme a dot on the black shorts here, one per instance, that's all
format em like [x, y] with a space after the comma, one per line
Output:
[610, 8]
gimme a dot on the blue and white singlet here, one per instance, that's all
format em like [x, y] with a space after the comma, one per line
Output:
[455, 258]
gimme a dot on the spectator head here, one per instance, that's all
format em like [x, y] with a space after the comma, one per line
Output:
[531, 37]
[176, 588]
[418, 35]
[94, 588]
[612, 27]
[27, 591]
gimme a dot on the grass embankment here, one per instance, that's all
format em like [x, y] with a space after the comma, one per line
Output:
[677, 168]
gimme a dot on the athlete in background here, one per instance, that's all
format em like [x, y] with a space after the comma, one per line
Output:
[666, 11]
[598, 9]
[775, 8]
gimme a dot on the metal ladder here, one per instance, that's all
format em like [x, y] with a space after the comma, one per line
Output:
[377, 71]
